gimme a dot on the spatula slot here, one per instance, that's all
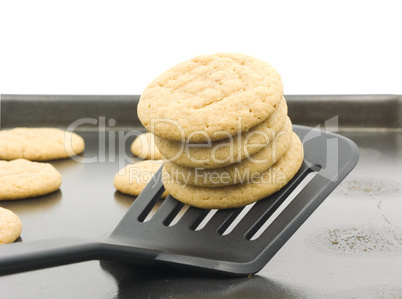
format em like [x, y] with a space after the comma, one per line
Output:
[176, 214]
[153, 204]
[152, 212]
[262, 225]
[234, 219]
[201, 221]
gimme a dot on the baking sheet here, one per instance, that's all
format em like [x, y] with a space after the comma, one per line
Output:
[350, 247]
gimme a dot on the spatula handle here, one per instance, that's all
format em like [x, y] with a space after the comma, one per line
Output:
[25, 256]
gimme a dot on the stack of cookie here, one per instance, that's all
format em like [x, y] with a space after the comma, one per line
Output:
[220, 122]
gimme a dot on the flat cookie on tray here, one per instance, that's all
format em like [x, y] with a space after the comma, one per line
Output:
[23, 179]
[227, 151]
[235, 173]
[210, 97]
[133, 178]
[144, 147]
[240, 195]
[39, 144]
[10, 226]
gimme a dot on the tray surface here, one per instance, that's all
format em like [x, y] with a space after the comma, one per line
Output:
[349, 247]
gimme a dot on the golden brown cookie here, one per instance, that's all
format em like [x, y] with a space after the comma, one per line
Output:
[240, 195]
[238, 172]
[144, 147]
[133, 178]
[10, 226]
[22, 179]
[39, 144]
[210, 97]
[228, 151]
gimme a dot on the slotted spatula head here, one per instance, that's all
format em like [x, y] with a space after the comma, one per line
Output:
[238, 252]
[236, 241]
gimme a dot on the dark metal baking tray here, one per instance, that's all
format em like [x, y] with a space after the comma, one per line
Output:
[350, 247]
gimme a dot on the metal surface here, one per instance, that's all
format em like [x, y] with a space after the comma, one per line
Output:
[350, 247]
[353, 111]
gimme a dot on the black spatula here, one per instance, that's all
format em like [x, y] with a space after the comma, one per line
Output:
[140, 240]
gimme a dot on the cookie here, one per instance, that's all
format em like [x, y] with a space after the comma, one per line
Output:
[10, 226]
[240, 195]
[210, 97]
[39, 144]
[22, 179]
[144, 147]
[228, 151]
[133, 178]
[235, 173]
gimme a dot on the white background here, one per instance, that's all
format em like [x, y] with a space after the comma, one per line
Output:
[118, 47]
